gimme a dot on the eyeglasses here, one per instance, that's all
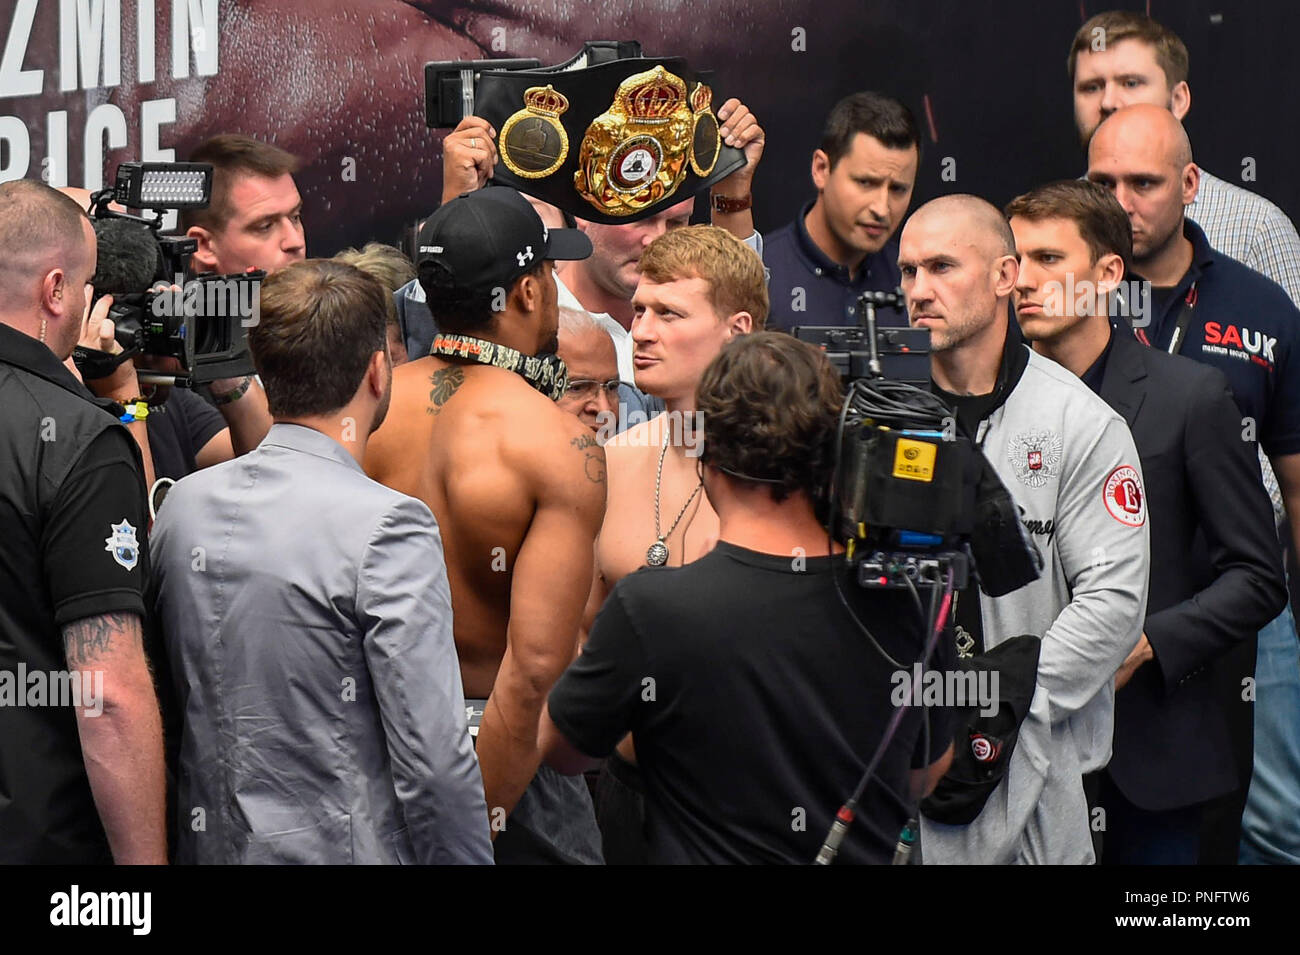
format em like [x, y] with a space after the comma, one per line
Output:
[584, 389]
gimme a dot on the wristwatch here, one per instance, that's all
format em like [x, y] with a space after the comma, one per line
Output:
[727, 205]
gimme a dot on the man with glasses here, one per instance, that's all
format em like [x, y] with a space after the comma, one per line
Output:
[588, 353]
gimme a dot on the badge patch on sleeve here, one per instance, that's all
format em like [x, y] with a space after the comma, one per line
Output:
[123, 545]
[1123, 495]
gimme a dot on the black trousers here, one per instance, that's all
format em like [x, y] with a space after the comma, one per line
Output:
[620, 812]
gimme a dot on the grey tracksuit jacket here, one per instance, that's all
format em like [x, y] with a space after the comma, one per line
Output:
[1069, 461]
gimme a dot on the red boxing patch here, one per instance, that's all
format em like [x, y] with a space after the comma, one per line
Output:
[1123, 495]
[985, 749]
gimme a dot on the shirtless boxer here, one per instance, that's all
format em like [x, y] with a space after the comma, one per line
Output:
[517, 486]
[699, 287]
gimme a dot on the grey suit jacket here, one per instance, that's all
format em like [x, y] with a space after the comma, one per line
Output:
[307, 621]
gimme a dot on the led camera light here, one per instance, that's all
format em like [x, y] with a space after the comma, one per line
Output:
[163, 185]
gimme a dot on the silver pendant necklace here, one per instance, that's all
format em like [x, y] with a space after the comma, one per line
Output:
[657, 554]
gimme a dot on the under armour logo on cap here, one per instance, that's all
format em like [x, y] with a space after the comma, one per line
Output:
[525, 256]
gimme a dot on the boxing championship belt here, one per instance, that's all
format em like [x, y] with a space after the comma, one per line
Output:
[611, 143]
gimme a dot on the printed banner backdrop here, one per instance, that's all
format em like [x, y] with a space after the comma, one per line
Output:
[85, 84]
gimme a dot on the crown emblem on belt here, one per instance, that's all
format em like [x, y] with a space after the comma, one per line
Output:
[652, 97]
[546, 100]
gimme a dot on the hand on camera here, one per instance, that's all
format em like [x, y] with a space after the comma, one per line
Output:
[97, 332]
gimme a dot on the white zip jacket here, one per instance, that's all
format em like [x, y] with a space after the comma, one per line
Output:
[1069, 461]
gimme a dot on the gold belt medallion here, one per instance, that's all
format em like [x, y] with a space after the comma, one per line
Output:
[533, 142]
[635, 154]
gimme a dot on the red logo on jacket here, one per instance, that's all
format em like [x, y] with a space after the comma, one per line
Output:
[1122, 494]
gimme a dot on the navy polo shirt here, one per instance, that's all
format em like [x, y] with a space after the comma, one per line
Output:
[1245, 325]
[801, 274]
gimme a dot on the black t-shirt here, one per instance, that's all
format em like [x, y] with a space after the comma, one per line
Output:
[72, 507]
[178, 430]
[755, 702]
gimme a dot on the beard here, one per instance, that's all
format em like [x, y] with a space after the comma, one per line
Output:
[957, 331]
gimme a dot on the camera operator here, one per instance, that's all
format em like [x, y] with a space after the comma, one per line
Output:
[1069, 462]
[253, 221]
[185, 433]
[752, 696]
[82, 783]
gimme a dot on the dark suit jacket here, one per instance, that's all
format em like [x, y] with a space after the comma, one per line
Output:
[1216, 572]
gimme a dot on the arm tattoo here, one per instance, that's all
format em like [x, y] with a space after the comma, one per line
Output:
[85, 640]
[445, 382]
[593, 461]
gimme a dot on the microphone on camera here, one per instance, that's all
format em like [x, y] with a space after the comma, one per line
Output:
[128, 262]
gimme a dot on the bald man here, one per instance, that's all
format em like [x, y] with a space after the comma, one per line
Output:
[82, 772]
[1211, 308]
[1069, 462]
[182, 433]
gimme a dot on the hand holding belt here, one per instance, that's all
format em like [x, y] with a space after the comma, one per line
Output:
[646, 128]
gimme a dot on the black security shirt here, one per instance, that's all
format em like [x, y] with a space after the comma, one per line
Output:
[755, 703]
[74, 518]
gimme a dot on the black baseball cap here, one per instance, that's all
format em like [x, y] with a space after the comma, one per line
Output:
[488, 238]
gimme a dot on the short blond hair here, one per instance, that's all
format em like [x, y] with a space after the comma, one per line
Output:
[733, 270]
[385, 263]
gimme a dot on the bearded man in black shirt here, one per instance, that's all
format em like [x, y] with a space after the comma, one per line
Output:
[752, 695]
